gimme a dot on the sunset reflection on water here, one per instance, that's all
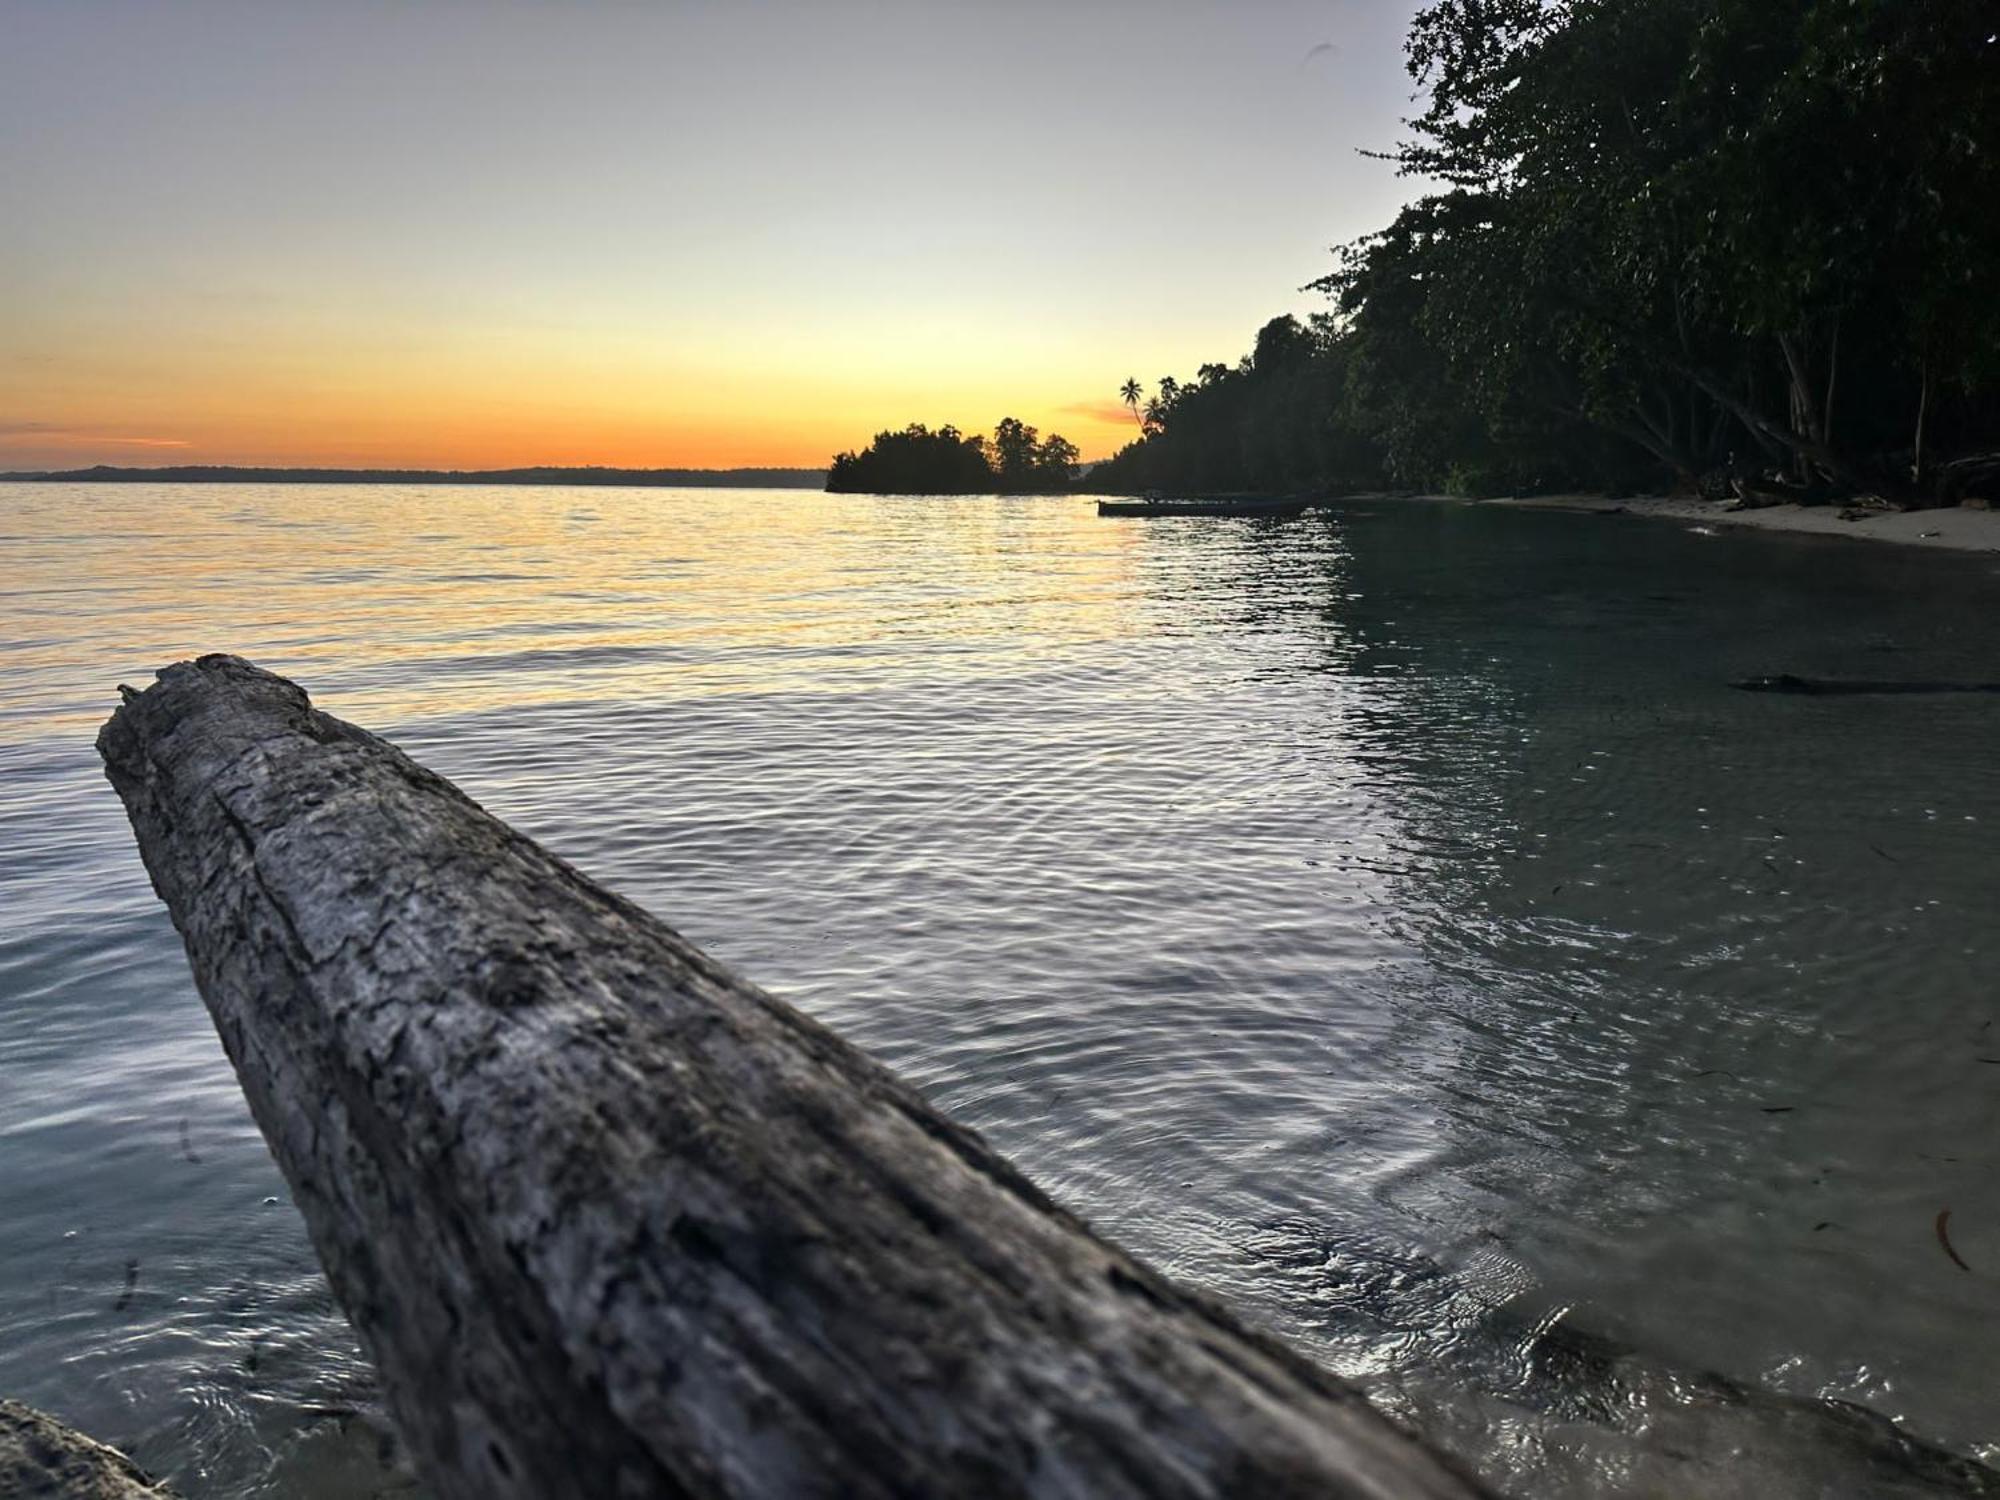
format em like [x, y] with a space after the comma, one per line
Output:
[1388, 921]
[513, 595]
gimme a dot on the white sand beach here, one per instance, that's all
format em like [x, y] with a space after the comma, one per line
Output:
[1956, 529]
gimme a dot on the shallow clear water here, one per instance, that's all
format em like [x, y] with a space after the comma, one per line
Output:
[1389, 921]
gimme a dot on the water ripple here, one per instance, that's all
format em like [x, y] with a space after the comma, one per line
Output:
[1389, 923]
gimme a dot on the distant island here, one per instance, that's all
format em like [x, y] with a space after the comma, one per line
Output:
[1017, 460]
[742, 479]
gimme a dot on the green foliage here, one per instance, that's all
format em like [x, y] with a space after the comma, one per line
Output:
[1675, 213]
[1668, 238]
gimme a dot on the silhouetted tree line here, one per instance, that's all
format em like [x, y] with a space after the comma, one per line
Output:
[1017, 460]
[1701, 243]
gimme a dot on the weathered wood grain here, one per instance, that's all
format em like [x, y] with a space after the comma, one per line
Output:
[43, 1459]
[612, 1221]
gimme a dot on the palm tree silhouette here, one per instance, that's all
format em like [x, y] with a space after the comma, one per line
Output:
[1129, 393]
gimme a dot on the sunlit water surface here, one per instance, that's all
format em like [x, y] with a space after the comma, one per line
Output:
[1389, 921]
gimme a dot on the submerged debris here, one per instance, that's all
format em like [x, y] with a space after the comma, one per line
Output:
[131, 1285]
[1786, 682]
[1944, 1239]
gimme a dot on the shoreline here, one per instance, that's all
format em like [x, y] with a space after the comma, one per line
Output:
[1952, 529]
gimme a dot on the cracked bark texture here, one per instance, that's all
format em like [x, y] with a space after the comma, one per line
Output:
[42, 1459]
[612, 1221]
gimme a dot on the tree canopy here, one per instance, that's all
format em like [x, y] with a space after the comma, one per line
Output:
[918, 461]
[1667, 241]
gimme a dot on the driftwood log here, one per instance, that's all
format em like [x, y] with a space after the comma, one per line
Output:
[42, 1459]
[612, 1221]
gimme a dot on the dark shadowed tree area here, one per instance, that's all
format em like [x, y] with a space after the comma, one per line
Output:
[1277, 420]
[1749, 244]
[917, 461]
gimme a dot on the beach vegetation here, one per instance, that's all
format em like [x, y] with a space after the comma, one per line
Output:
[1689, 244]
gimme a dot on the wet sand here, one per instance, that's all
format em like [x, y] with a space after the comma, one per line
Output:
[1955, 529]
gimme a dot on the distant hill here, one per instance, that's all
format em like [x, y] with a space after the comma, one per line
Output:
[742, 479]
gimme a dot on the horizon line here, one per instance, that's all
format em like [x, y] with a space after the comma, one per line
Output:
[342, 473]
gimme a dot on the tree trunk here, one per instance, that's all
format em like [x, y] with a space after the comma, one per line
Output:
[1713, 450]
[1759, 425]
[1734, 408]
[1804, 422]
[1648, 432]
[614, 1222]
[1799, 403]
[1923, 413]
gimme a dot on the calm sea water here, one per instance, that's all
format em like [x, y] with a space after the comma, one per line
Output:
[1389, 921]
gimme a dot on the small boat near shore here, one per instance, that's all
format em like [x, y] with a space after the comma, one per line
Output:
[1208, 505]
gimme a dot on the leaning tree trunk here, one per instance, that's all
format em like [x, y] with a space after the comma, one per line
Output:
[1917, 471]
[614, 1222]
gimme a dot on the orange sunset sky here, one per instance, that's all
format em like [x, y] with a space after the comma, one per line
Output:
[673, 235]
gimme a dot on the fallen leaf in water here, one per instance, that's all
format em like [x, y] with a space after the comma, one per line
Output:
[1944, 1239]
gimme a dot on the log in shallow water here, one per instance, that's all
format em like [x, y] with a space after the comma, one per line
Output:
[612, 1221]
[42, 1459]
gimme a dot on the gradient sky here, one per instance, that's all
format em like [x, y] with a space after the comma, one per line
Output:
[654, 234]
